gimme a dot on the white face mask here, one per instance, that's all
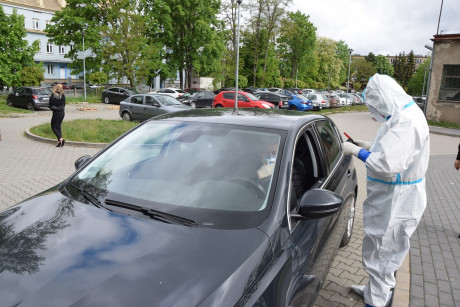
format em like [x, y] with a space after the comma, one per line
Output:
[376, 115]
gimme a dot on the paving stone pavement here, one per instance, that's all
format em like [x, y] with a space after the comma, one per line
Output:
[28, 167]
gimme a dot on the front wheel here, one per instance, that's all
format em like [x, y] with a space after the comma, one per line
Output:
[106, 100]
[218, 106]
[193, 105]
[126, 117]
[9, 102]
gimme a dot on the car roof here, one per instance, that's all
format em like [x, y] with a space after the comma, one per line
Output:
[264, 118]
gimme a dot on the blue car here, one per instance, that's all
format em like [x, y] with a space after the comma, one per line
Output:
[299, 102]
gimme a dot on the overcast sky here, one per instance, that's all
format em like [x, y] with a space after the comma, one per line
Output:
[382, 27]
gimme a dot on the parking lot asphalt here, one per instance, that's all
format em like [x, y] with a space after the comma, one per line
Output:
[430, 275]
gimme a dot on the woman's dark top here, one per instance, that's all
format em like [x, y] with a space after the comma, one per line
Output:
[56, 103]
[458, 155]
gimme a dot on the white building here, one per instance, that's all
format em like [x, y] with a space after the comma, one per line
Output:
[37, 14]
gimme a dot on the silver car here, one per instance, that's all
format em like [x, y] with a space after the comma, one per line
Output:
[319, 101]
[144, 106]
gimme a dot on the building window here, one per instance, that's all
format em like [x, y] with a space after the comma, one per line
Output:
[71, 47]
[50, 70]
[35, 24]
[450, 83]
[49, 48]
[61, 50]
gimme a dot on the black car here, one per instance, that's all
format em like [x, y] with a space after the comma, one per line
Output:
[200, 99]
[224, 89]
[420, 101]
[117, 94]
[281, 101]
[29, 97]
[141, 107]
[196, 208]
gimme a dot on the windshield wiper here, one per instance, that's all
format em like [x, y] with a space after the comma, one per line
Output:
[88, 196]
[154, 214]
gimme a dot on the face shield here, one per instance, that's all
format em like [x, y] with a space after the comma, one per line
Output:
[376, 115]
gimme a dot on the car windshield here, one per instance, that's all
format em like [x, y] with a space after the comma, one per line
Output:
[180, 91]
[168, 100]
[41, 91]
[217, 175]
[134, 90]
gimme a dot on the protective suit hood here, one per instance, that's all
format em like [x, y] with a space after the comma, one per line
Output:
[385, 95]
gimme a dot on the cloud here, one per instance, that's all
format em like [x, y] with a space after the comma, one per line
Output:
[381, 27]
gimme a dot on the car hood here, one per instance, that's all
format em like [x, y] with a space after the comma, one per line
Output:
[179, 106]
[59, 252]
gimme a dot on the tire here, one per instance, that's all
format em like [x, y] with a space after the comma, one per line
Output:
[30, 106]
[193, 104]
[293, 108]
[9, 102]
[218, 106]
[106, 100]
[126, 117]
[350, 222]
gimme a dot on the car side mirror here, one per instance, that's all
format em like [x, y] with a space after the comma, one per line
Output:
[81, 161]
[318, 203]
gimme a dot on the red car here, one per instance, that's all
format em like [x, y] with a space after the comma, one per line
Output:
[226, 99]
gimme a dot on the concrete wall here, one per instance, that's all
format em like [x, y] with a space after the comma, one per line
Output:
[446, 51]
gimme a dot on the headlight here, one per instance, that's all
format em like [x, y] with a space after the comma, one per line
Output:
[266, 106]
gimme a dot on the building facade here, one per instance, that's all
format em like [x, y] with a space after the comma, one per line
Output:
[37, 14]
[443, 99]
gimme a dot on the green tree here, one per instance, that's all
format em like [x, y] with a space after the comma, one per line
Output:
[404, 67]
[32, 75]
[371, 58]
[15, 53]
[383, 66]
[297, 44]
[80, 20]
[329, 64]
[343, 53]
[126, 48]
[362, 70]
[194, 40]
[417, 85]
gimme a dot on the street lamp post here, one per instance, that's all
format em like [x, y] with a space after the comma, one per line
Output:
[429, 77]
[237, 56]
[84, 66]
[349, 62]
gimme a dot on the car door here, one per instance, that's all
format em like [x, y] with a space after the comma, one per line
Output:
[244, 102]
[136, 107]
[208, 99]
[152, 107]
[200, 100]
[122, 95]
[308, 236]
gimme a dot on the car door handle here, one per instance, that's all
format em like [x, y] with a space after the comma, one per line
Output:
[349, 173]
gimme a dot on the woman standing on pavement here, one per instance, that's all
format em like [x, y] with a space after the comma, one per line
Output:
[57, 105]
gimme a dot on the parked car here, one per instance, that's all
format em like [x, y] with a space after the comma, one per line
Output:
[93, 86]
[319, 101]
[299, 102]
[226, 99]
[200, 99]
[280, 101]
[296, 91]
[173, 92]
[345, 100]
[308, 91]
[420, 101]
[141, 107]
[29, 97]
[117, 94]
[224, 89]
[275, 90]
[174, 214]
[358, 99]
[192, 90]
[77, 86]
[334, 100]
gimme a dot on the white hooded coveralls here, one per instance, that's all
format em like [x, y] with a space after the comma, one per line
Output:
[396, 195]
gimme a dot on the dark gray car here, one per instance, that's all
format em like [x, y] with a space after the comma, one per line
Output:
[29, 97]
[200, 99]
[144, 106]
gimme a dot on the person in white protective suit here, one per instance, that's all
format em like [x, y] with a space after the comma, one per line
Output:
[396, 163]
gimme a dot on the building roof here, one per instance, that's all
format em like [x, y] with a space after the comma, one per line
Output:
[443, 37]
[48, 5]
